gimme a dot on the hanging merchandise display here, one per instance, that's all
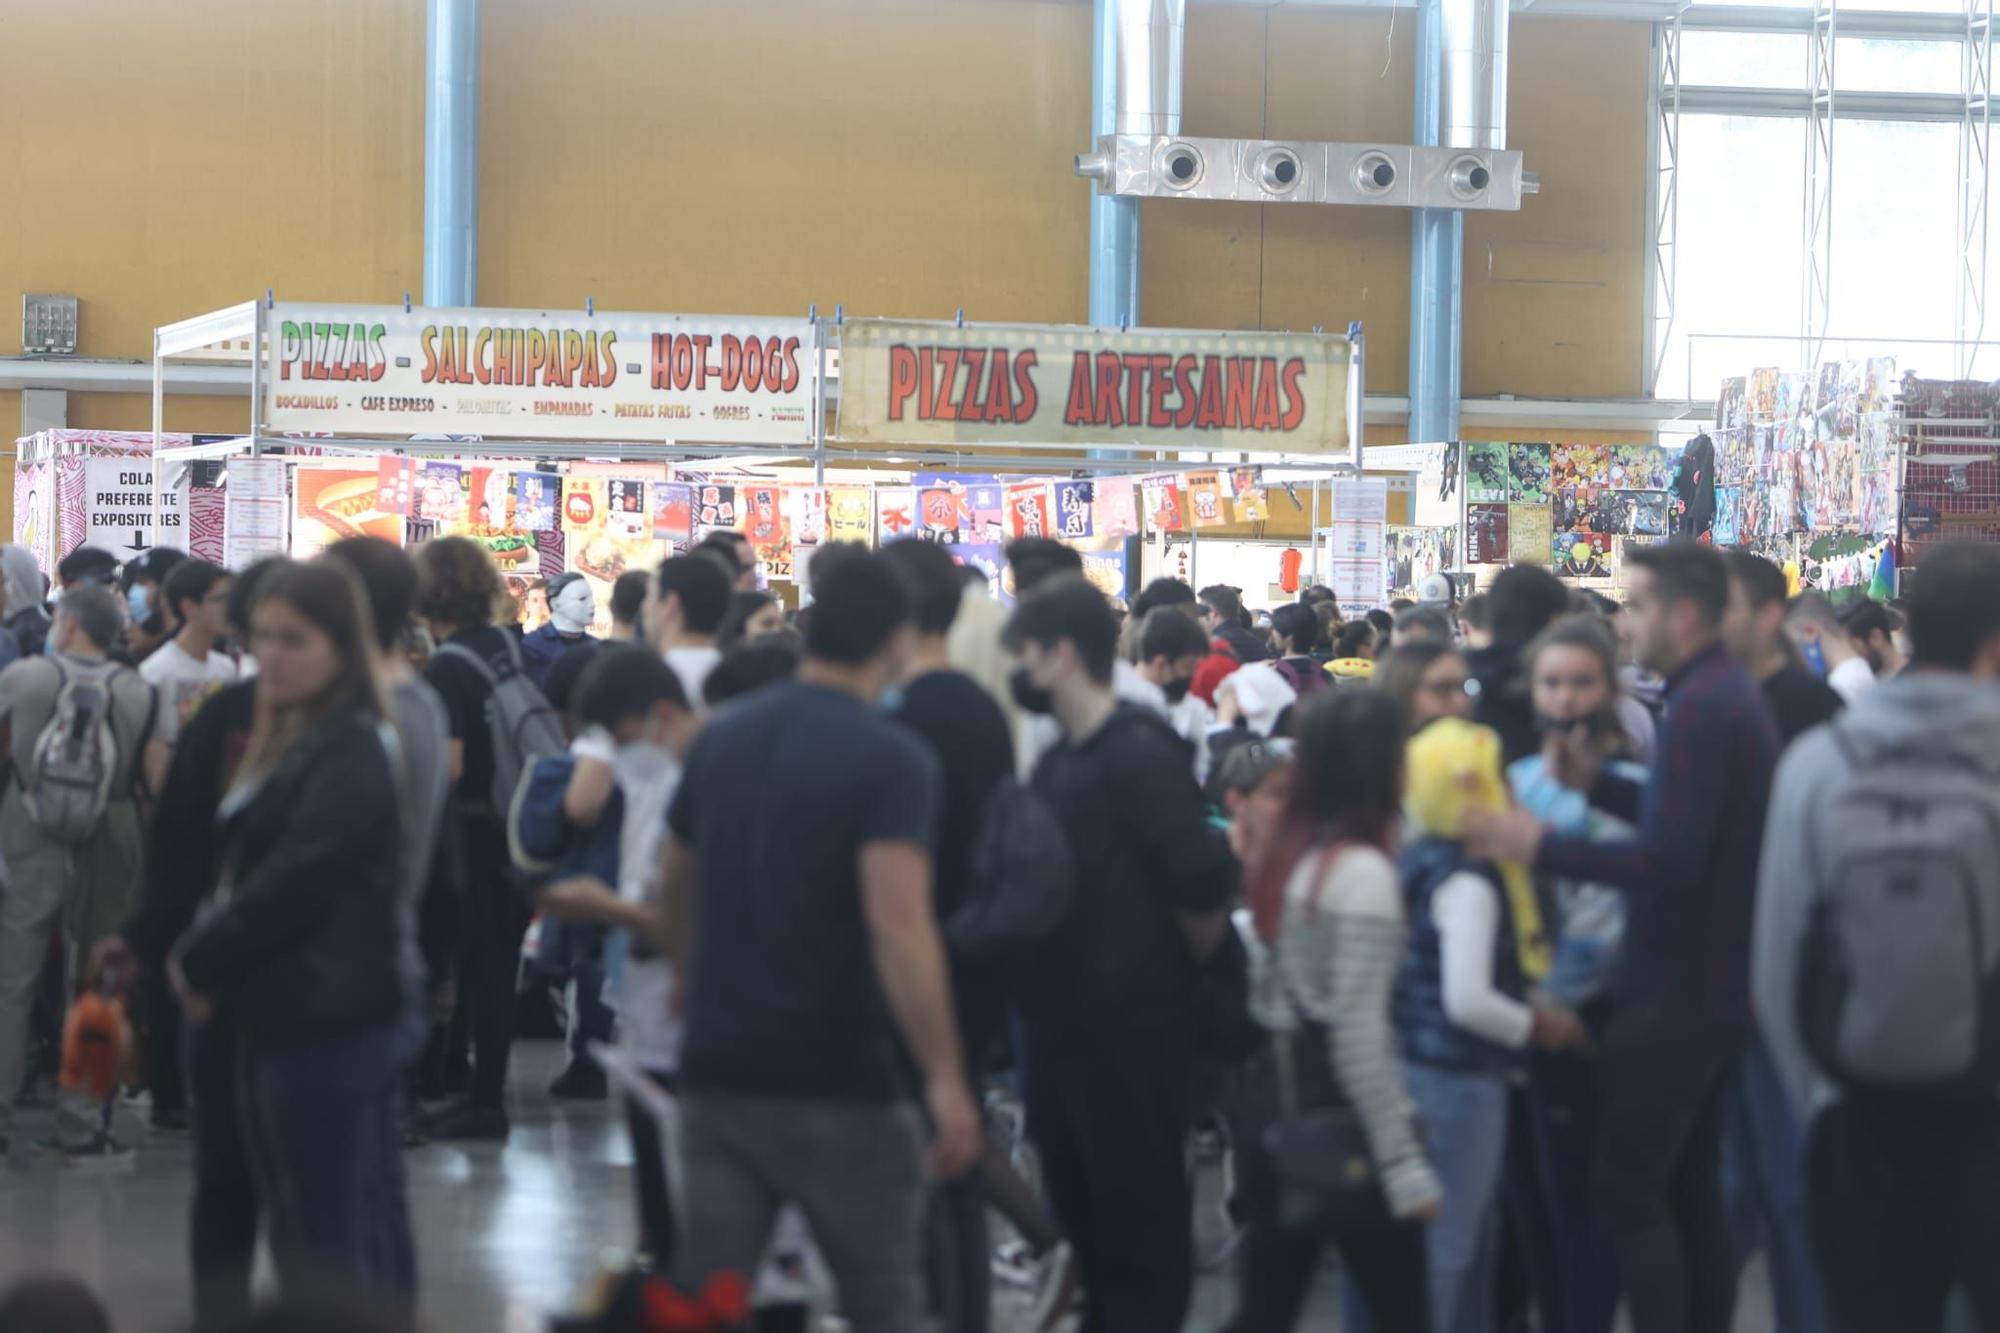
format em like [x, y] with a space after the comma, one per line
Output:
[715, 510]
[1074, 510]
[1800, 453]
[1117, 500]
[1204, 500]
[535, 500]
[1487, 478]
[1162, 498]
[1028, 510]
[1414, 554]
[807, 515]
[850, 514]
[673, 512]
[1247, 494]
[763, 519]
[1486, 534]
[895, 513]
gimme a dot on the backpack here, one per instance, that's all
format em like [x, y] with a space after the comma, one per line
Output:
[518, 718]
[541, 840]
[1303, 682]
[68, 783]
[1021, 875]
[1899, 968]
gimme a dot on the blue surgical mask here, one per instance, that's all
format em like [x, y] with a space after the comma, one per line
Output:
[890, 699]
[136, 600]
[1815, 657]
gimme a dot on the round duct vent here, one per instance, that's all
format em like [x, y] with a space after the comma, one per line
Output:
[1374, 173]
[1469, 177]
[1277, 170]
[1181, 166]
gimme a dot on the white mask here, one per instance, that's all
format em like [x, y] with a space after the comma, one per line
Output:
[572, 609]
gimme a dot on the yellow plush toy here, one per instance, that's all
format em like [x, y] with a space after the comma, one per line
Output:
[1454, 766]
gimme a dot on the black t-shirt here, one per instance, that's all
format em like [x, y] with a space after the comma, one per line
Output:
[465, 694]
[1799, 702]
[967, 732]
[780, 793]
[1144, 852]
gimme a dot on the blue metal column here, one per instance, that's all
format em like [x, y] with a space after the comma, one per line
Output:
[1114, 221]
[1437, 264]
[451, 154]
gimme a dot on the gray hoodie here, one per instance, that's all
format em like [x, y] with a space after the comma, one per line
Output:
[1943, 712]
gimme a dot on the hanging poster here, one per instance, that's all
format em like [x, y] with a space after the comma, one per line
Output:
[1727, 529]
[715, 509]
[582, 503]
[1162, 496]
[850, 514]
[1243, 480]
[673, 511]
[1632, 513]
[440, 493]
[1251, 506]
[1528, 473]
[988, 560]
[572, 375]
[1117, 507]
[985, 510]
[627, 507]
[1028, 510]
[535, 500]
[394, 481]
[943, 513]
[1204, 500]
[763, 520]
[333, 504]
[1761, 402]
[1486, 477]
[1486, 534]
[1413, 554]
[807, 506]
[895, 513]
[1639, 467]
[1578, 469]
[922, 383]
[1073, 510]
[1583, 555]
[1530, 534]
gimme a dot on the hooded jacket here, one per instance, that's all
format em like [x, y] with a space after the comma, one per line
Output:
[1951, 716]
[25, 618]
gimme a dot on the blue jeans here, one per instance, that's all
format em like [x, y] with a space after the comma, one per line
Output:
[1573, 1267]
[318, 1109]
[1763, 1186]
[223, 1210]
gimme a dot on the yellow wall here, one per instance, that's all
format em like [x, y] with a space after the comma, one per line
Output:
[901, 156]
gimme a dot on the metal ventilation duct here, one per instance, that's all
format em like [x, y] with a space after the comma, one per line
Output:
[1286, 171]
[1151, 36]
[1474, 74]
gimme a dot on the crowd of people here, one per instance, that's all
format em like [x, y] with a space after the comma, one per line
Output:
[1540, 955]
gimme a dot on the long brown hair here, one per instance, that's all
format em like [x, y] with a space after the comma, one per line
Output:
[1347, 787]
[327, 596]
[1592, 634]
[1398, 674]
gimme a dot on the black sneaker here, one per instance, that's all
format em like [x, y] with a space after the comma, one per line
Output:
[100, 1153]
[168, 1120]
[583, 1081]
[465, 1122]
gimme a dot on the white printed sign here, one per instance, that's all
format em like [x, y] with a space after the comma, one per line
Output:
[383, 371]
[118, 505]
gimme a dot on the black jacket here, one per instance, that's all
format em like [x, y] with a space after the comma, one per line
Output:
[309, 930]
[1247, 645]
[1502, 701]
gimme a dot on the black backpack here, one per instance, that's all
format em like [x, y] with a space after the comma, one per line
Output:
[1022, 877]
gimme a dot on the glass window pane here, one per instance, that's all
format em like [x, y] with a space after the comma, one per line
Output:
[1895, 231]
[1878, 65]
[1744, 59]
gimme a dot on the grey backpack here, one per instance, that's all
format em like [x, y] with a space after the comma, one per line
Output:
[68, 783]
[1899, 977]
[518, 718]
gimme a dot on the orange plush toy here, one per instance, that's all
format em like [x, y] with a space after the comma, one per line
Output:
[93, 1045]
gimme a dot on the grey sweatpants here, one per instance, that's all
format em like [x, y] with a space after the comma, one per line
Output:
[855, 1170]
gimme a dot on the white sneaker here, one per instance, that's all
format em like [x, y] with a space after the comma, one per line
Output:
[1058, 1288]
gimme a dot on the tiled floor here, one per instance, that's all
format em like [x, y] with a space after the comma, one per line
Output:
[505, 1235]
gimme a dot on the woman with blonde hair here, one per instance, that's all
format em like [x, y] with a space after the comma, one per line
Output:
[300, 949]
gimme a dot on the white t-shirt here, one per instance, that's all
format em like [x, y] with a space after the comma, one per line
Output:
[647, 777]
[184, 684]
[1852, 679]
[692, 665]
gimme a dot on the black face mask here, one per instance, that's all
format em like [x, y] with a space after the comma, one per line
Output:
[1177, 689]
[1031, 697]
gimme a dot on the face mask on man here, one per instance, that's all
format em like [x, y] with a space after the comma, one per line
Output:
[1031, 697]
[137, 602]
[572, 609]
[1177, 689]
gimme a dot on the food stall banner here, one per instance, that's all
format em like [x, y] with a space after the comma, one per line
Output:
[911, 383]
[536, 374]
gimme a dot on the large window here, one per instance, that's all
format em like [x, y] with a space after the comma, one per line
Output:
[1894, 254]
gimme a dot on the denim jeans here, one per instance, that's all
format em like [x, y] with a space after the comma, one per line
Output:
[223, 1210]
[1573, 1267]
[318, 1111]
[1763, 1186]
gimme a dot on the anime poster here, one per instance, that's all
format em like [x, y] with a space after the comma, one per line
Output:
[984, 503]
[1117, 504]
[1251, 504]
[1826, 401]
[1028, 510]
[1582, 555]
[1413, 554]
[1853, 386]
[763, 517]
[1728, 527]
[582, 503]
[395, 485]
[1074, 506]
[1878, 385]
[1162, 498]
[1244, 481]
[1630, 513]
[1578, 470]
[1530, 534]
[673, 512]
[895, 513]
[943, 511]
[1528, 474]
[1486, 479]
[850, 514]
[1486, 534]
[1574, 507]
[440, 494]
[535, 495]
[628, 508]
[1761, 401]
[1639, 467]
[715, 509]
[1204, 500]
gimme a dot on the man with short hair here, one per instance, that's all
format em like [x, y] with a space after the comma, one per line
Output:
[1678, 1012]
[1475, 621]
[1815, 626]
[1522, 602]
[84, 888]
[1222, 617]
[690, 598]
[1900, 1176]
[1754, 630]
[736, 553]
[188, 668]
[1871, 628]
[1109, 999]
[628, 605]
[797, 883]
